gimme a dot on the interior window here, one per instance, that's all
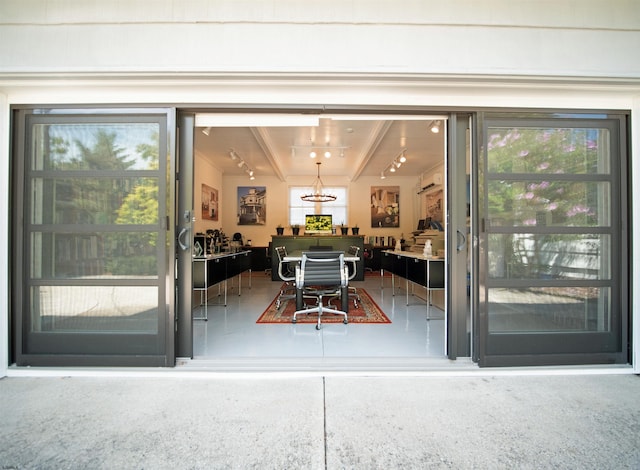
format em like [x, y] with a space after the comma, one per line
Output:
[298, 208]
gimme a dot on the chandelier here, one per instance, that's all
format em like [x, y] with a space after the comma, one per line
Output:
[317, 194]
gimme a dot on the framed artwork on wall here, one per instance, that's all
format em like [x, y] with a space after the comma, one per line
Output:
[252, 205]
[209, 203]
[385, 206]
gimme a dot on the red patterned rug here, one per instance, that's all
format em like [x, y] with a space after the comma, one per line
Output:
[367, 312]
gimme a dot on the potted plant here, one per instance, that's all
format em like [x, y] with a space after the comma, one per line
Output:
[344, 229]
[280, 229]
[295, 229]
[355, 229]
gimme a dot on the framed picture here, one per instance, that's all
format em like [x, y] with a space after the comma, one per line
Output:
[209, 203]
[252, 205]
[385, 206]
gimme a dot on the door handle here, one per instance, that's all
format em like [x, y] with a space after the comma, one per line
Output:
[460, 245]
[183, 245]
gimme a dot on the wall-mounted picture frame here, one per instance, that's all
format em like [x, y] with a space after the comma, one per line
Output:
[385, 206]
[252, 205]
[209, 203]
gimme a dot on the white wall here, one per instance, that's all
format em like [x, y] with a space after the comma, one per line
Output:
[580, 38]
[278, 201]
[206, 173]
[578, 54]
[4, 235]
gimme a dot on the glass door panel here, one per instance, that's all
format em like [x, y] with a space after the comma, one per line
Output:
[91, 282]
[553, 252]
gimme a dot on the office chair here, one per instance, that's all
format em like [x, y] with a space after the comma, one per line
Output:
[268, 258]
[322, 274]
[352, 265]
[320, 248]
[287, 274]
[367, 254]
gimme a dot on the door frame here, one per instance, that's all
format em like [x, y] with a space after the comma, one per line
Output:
[490, 353]
[89, 342]
[456, 163]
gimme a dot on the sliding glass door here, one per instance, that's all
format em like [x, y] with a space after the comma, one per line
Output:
[91, 240]
[553, 233]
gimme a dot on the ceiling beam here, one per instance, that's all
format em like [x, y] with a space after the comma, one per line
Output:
[369, 149]
[262, 138]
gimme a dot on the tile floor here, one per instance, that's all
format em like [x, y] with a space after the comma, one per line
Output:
[232, 331]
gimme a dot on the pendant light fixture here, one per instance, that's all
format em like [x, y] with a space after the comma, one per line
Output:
[318, 194]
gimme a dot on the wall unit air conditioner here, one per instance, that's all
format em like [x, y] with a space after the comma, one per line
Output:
[431, 183]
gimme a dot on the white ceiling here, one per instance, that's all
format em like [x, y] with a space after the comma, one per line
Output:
[362, 146]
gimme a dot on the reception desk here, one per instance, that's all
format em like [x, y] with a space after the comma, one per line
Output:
[210, 270]
[415, 268]
[305, 243]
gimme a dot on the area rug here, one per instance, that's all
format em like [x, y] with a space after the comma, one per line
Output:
[367, 312]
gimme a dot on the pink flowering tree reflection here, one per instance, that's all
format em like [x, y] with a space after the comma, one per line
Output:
[531, 184]
[537, 198]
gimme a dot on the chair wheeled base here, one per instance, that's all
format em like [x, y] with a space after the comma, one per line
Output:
[320, 309]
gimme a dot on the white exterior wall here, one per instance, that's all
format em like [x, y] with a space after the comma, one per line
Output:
[580, 54]
[584, 38]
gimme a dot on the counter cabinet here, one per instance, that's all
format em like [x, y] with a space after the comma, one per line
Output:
[216, 269]
[414, 268]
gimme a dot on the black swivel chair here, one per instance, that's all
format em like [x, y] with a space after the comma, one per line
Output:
[322, 274]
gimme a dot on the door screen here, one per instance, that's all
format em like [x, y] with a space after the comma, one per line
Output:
[94, 245]
[554, 254]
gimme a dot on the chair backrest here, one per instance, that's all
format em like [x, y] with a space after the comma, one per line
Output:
[281, 251]
[353, 250]
[285, 271]
[320, 248]
[322, 268]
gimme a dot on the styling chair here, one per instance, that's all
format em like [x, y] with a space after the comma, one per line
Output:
[352, 266]
[286, 273]
[322, 274]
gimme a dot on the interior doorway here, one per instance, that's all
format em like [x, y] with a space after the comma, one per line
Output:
[406, 154]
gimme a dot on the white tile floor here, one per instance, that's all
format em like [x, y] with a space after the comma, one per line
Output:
[232, 331]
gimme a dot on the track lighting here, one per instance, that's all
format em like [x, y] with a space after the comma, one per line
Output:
[435, 127]
[395, 163]
[382, 175]
[325, 150]
[241, 163]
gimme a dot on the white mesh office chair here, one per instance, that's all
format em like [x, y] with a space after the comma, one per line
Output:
[353, 292]
[287, 274]
[322, 274]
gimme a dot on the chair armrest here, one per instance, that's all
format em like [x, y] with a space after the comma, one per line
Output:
[344, 281]
[299, 278]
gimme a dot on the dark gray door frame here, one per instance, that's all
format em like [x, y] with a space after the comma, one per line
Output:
[457, 236]
[184, 235]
